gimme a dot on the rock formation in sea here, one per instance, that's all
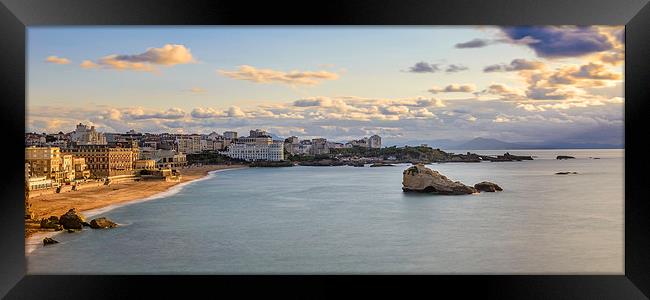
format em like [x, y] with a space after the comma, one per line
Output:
[564, 157]
[419, 178]
[381, 165]
[486, 186]
[71, 220]
[101, 223]
[49, 241]
[565, 173]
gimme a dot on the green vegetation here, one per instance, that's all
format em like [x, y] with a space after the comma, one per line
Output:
[307, 158]
[400, 154]
[270, 164]
[210, 158]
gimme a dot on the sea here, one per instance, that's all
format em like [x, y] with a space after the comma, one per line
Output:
[351, 220]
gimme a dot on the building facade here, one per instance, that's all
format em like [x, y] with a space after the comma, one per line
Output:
[230, 135]
[256, 152]
[47, 162]
[374, 141]
[84, 135]
[188, 144]
[105, 161]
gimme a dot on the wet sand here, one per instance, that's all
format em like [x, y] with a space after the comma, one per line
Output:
[93, 198]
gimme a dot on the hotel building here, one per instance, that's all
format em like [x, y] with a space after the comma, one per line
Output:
[106, 161]
[255, 152]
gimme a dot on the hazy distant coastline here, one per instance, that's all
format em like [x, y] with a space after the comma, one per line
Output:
[495, 144]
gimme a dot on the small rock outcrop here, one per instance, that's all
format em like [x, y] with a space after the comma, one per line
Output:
[71, 220]
[101, 223]
[486, 186]
[49, 241]
[565, 173]
[421, 179]
[381, 165]
[564, 157]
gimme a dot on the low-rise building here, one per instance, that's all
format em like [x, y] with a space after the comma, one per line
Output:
[145, 164]
[39, 183]
[166, 158]
[319, 146]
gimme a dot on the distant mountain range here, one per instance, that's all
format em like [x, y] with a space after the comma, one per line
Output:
[494, 144]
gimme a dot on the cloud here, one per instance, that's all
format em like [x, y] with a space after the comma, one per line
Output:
[455, 68]
[205, 113]
[197, 90]
[518, 64]
[141, 114]
[612, 58]
[87, 64]
[424, 67]
[57, 60]
[475, 43]
[595, 71]
[547, 93]
[505, 92]
[454, 88]
[250, 73]
[168, 55]
[560, 41]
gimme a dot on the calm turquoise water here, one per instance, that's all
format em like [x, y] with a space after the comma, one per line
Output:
[357, 220]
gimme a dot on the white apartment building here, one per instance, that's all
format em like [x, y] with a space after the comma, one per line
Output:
[83, 135]
[255, 152]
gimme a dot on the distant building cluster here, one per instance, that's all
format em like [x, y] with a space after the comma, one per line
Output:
[319, 146]
[63, 158]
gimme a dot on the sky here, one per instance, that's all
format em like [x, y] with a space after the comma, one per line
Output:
[405, 83]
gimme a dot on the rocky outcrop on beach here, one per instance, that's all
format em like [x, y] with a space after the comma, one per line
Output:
[564, 157]
[51, 223]
[101, 223]
[71, 220]
[486, 186]
[49, 241]
[419, 178]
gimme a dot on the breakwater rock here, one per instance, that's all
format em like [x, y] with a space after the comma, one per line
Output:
[564, 157]
[71, 220]
[49, 241]
[101, 223]
[487, 186]
[421, 179]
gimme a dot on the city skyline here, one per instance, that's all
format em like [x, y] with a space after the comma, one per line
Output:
[524, 84]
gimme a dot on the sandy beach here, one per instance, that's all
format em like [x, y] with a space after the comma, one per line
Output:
[96, 198]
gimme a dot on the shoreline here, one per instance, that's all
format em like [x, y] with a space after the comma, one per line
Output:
[96, 201]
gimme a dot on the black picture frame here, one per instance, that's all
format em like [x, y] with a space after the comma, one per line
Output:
[16, 15]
